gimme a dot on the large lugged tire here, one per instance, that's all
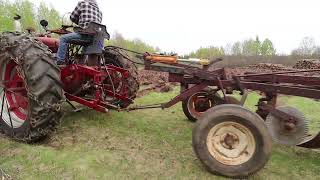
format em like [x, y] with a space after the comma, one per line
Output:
[32, 94]
[115, 57]
[232, 141]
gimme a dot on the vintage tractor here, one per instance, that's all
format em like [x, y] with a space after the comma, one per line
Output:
[228, 139]
[33, 87]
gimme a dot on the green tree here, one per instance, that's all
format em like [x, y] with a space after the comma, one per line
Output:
[6, 10]
[29, 12]
[50, 14]
[251, 47]
[26, 10]
[237, 48]
[208, 52]
[257, 46]
[136, 45]
[267, 48]
[248, 47]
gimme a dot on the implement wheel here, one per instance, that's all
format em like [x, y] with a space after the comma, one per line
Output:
[31, 92]
[196, 105]
[232, 141]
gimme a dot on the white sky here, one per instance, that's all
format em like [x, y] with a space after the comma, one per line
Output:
[185, 25]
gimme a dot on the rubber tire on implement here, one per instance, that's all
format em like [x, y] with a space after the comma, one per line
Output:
[216, 99]
[41, 77]
[186, 104]
[115, 58]
[239, 115]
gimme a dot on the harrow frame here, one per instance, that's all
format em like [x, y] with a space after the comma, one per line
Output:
[270, 84]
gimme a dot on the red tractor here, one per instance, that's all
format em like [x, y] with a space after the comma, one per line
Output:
[33, 87]
[228, 139]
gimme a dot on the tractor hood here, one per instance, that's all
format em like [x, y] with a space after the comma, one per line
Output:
[52, 43]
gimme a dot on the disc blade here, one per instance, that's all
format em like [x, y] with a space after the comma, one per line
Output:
[288, 136]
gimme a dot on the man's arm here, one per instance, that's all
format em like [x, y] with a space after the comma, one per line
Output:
[75, 15]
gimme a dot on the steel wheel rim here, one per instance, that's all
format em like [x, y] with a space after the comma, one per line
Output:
[231, 143]
[13, 105]
[192, 104]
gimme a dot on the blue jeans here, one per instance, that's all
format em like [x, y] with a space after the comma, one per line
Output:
[65, 40]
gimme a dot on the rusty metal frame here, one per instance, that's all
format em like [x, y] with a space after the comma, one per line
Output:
[271, 84]
[185, 94]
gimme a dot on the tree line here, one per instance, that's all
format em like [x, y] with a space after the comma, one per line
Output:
[32, 14]
[249, 47]
[308, 48]
[137, 45]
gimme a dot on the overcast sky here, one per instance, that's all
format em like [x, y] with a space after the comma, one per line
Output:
[185, 25]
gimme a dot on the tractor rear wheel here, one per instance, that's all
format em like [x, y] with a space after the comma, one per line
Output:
[129, 86]
[31, 92]
[232, 141]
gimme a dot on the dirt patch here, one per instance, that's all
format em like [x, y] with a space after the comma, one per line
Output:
[153, 81]
[258, 68]
[307, 64]
[152, 77]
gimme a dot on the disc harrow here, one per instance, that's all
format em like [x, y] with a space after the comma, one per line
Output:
[204, 93]
[202, 89]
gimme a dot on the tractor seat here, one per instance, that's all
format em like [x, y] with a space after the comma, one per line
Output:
[81, 42]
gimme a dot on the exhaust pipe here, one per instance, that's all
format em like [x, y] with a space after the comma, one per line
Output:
[17, 23]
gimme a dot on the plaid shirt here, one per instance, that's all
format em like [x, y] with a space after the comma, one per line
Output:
[86, 11]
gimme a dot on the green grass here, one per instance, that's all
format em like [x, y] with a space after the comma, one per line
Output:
[146, 144]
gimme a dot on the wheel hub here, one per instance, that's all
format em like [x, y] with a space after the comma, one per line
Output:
[201, 104]
[231, 143]
[289, 126]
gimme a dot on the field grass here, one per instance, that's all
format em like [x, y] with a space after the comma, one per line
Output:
[148, 144]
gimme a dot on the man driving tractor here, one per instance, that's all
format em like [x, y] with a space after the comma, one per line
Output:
[85, 12]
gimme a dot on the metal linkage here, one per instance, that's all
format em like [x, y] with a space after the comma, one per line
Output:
[151, 106]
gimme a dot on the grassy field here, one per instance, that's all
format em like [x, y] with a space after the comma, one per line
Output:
[148, 144]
